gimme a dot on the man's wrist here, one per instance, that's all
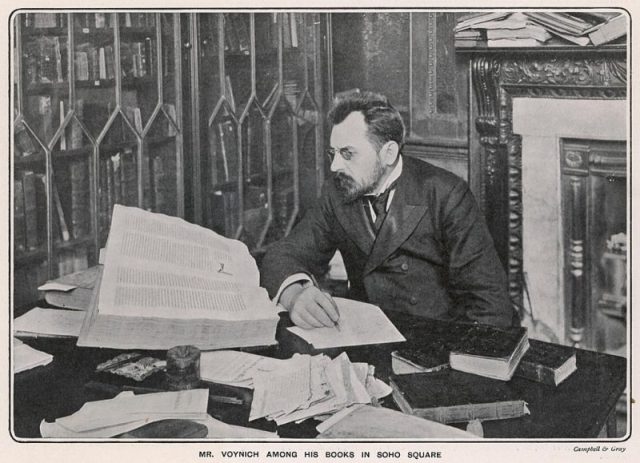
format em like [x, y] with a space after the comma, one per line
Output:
[291, 293]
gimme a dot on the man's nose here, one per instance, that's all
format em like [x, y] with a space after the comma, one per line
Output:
[337, 163]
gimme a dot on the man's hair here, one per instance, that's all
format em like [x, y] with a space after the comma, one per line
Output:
[384, 122]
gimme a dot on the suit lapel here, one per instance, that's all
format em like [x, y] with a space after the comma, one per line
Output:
[353, 219]
[403, 217]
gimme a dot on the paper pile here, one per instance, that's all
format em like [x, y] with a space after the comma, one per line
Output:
[126, 412]
[39, 322]
[235, 368]
[312, 386]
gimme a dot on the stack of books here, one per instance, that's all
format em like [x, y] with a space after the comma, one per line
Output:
[534, 29]
[486, 351]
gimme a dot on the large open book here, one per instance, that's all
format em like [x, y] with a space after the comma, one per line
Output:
[167, 282]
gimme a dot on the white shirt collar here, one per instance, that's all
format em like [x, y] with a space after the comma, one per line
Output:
[395, 173]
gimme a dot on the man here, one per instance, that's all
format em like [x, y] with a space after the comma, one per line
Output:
[410, 233]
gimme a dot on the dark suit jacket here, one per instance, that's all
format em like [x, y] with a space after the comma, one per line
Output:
[432, 257]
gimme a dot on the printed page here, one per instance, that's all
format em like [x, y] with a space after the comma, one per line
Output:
[359, 324]
[49, 322]
[161, 266]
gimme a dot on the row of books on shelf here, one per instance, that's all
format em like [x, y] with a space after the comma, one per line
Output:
[97, 62]
[45, 60]
[44, 20]
[96, 20]
[533, 29]
[49, 113]
[71, 198]
[71, 203]
[237, 32]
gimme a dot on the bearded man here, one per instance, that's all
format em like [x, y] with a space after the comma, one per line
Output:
[411, 235]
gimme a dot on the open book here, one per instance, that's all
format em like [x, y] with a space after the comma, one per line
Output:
[167, 282]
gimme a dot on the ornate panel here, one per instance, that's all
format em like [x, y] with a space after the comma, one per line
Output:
[499, 76]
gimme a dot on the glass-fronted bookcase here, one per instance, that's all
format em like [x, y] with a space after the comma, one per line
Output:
[257, 95]
[215, 117]
[97, 109]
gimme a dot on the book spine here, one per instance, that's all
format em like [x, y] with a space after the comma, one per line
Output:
[117, 178]
[80, 221]
[62, 231]
[469, 412]
[536, 372]
[41, 207]
[129, 179]
[103, 214]
[19, 230]
[30, 210]
[159, 179]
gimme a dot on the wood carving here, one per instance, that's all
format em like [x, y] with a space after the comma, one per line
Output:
[497, 77]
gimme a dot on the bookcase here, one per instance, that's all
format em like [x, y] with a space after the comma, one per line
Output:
[257, 103]
[97, 121]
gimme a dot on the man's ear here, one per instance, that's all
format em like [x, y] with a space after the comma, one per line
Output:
[389, 153]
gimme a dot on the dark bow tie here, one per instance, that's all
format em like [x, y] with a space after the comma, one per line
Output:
[379, 205]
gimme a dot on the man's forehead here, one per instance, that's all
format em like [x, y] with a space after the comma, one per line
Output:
[351, 130]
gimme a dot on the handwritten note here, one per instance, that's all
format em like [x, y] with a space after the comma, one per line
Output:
[360, 324]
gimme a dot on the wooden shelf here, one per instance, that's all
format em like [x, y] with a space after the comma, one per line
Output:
[569, 48]
[62, 88]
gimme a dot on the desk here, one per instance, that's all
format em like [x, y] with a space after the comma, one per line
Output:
[578, 408]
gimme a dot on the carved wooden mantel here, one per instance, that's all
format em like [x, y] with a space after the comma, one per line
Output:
[497, 76]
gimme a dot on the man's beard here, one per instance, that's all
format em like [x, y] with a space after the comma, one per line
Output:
[351, 189]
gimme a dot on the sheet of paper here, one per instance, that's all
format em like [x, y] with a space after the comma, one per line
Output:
[56, 286]
[49, 322]
[220, 430]
[26, 357]
[161, 266]
[281, 391]
[234, 367]
[190, 404]
[359, 324]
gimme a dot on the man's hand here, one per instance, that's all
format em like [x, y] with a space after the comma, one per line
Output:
[309, 307]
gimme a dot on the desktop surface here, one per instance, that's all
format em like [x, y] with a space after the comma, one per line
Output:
[580, 407]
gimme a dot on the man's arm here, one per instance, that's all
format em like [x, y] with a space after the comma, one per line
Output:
[307, 250]
[477, 281]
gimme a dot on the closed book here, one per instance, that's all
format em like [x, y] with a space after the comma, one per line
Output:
[430, 354]
[450, 396]
[513, 43]
[531, 31]
[610, 30]
[547, 363]
[401, 365]
[489, 351]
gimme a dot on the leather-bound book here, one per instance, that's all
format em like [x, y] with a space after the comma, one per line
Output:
[474, 348]
[547, 363]
[450, 396]
[489, 351]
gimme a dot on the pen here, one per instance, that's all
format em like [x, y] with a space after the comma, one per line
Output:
[119, 363]
[315, 283]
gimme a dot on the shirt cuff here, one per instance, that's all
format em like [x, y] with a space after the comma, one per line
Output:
[295, 278]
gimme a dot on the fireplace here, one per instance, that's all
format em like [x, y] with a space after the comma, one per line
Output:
[548, 161]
